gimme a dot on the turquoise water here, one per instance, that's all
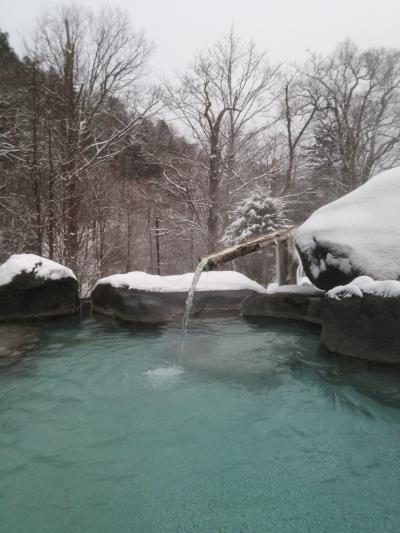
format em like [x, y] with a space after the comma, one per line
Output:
[106, 428]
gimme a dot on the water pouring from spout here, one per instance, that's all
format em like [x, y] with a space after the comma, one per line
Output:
[189, 300]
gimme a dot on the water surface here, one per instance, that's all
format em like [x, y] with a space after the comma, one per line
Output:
[106, 428]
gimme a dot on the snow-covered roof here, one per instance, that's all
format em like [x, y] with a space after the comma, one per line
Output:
[366, 285]
[209, 281]
[43, 268]
[361, 230]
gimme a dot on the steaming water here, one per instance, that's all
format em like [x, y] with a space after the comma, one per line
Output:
[256, 430]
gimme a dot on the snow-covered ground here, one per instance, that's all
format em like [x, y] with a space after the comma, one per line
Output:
[209, 281]
[358, 233]
[366, 285]
[43, 268]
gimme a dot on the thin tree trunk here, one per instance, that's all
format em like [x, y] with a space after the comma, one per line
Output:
[35, 165]
[51, 232]
[149, 233]
[71, 200]
[214, 178]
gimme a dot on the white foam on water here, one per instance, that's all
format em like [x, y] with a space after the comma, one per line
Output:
[163, 374]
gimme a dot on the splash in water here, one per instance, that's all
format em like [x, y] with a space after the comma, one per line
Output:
[164, 375]
[189, 300]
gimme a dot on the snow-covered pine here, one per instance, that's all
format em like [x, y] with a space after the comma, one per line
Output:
[257, 214]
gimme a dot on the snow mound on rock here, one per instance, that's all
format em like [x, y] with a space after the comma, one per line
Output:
[356, 234]
[366, 285]
[42, 268]
[209, 281]
[304, 289]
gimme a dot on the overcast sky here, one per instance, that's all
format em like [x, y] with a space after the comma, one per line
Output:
[286, 28]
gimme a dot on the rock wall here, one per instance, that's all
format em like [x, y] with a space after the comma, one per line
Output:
[158, 307]
[367, 327]
[288, 301]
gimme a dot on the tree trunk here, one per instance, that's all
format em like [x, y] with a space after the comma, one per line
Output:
[214, 178]
[51, 209]
[71, 199]
[35, 180]
[149, 233]
[128, 266]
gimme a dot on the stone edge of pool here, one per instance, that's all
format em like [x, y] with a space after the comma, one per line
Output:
[366, 327]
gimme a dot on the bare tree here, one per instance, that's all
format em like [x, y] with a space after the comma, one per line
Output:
[359, 116]
[224, 100]
[97, 59]
[299, 104]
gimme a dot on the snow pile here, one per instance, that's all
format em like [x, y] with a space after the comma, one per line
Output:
[304, 286]
[357, 234]
[42, 268]
[209, 281]
[366, 285]
[272, 287]
[305, 289]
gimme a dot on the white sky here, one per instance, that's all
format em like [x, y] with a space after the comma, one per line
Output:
[286, 28]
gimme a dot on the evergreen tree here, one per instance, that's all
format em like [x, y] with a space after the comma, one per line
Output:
[257, 214]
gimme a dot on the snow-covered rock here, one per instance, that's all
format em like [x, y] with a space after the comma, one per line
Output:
[209, 281]
[359, 234]
[31, 263]
[366, 285]
[300, 302]
[362, 319]
[32, 286]
[306, 289]
[142, 297]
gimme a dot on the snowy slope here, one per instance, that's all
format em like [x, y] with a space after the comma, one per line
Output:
[209, 281]
[43, 268]
[355, 235]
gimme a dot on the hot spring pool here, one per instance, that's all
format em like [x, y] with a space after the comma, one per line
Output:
[252, 429]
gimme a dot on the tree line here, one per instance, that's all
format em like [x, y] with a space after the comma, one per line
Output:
[91, 152]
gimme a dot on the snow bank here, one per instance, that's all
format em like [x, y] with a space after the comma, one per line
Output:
[304, 286]
[366, 285]
[357, 234]
[209, 281]
[43, 268]
[305, 289]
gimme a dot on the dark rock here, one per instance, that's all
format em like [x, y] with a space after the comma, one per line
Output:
[31, 293]
[329, 275]
[157, 307]
[367, 327]
[289, 301]
[85, 307]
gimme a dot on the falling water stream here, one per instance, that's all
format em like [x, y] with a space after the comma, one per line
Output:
[189, 300]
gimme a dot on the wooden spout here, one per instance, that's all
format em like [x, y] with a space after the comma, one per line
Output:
[239, 250]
